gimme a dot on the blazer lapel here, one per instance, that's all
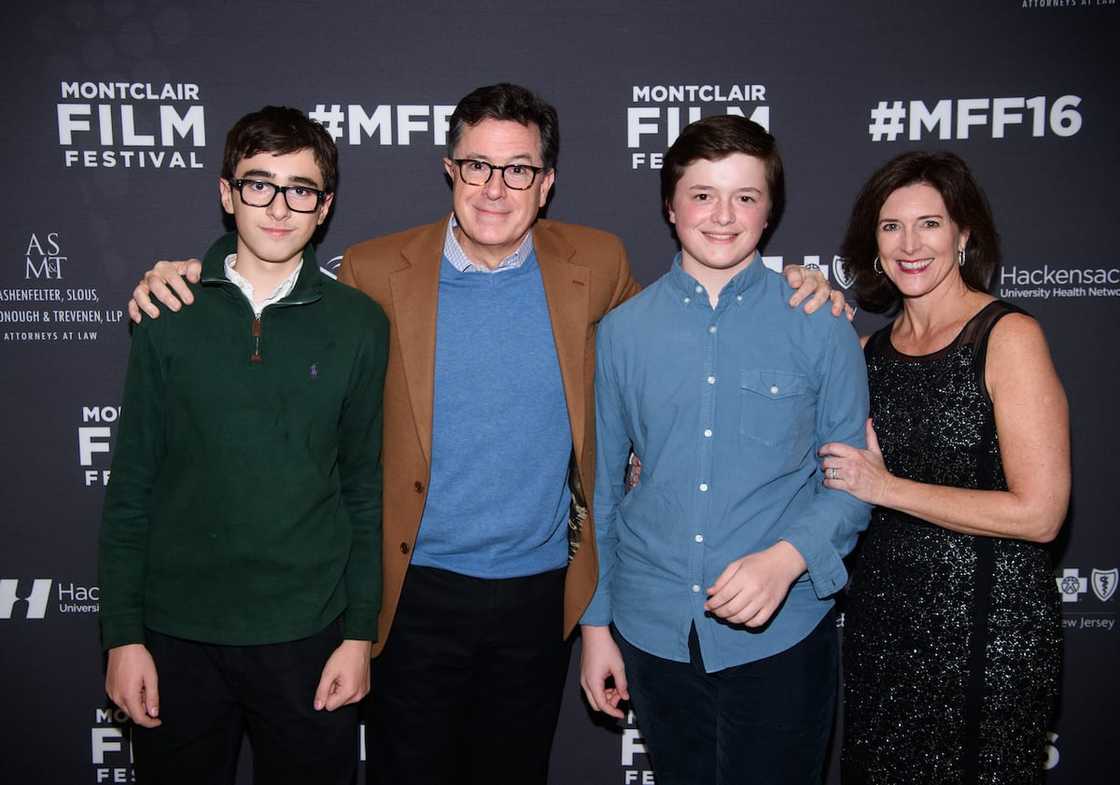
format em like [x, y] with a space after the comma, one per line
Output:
[415, 291]
[566, 289]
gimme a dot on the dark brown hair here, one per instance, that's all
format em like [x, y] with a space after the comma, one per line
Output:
[279, 130]
[512, 102]
[714, 138]
[964, 200]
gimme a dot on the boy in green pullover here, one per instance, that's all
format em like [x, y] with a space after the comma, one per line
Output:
[240, 544]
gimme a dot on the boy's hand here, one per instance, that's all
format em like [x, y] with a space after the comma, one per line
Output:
[750, 589]
[600, 662]
[345, 678]
[132, 684]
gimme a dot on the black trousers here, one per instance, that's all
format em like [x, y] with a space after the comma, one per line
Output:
[762, 723]
[468, 686]
[210, 696]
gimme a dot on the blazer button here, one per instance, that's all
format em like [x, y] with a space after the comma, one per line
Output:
[404, 547]
[419, 486]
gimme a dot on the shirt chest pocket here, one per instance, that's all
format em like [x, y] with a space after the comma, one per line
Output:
[777, 409]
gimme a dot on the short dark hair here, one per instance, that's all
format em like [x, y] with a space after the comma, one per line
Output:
[279, 130]
[512, 102]
[715, 138]
[967, 206]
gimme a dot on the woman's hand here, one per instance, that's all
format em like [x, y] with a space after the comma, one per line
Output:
[861, 473]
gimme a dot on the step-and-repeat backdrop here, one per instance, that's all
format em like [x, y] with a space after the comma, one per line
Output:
[115, 116]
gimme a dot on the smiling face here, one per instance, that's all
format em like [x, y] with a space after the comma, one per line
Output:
[918, 242]
[720, 209]
[494, 218]
[274, 235]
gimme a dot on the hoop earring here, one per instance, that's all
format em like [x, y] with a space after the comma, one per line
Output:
[875, 266]
[960, 257]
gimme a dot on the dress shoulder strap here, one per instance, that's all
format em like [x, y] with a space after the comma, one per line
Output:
[878, 342]
[980, 326]
[979, 330]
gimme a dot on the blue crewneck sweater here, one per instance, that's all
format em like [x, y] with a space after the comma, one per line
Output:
[501, 439]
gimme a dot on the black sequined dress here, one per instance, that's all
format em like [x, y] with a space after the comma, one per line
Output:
[952, 643]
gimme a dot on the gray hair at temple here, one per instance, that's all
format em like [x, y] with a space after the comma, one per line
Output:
[511, 102]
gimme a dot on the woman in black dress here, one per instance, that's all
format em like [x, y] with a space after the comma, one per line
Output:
[952, 645]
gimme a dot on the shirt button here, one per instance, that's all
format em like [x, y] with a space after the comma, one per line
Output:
[418, 486]
[773, 389]
[698, 289]
[696, 588]
[711, 380]
[404, 547]
[699, 538]
[703, 487]
[687, 300]
[739, 297]
[707, 433]
[712, 329]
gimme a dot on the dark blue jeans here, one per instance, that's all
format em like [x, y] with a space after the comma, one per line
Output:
[755, 724]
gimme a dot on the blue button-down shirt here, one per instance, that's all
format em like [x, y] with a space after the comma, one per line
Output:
[454, 253]
[726, 408]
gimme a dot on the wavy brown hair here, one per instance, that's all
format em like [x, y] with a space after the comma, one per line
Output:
[967, 206]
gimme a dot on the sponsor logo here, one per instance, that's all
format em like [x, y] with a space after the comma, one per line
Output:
[30, 603]
[1104, 583]
[144, 125]
[31, 599]
[835, 270]
[386, 124]
[1085, 612]
[73, 598]
[110, 743]
[1072, 585]
[331, 266]
[95, 436]
[964, 118]
[1051, 751]
[658, 113]
[41, 306]
[633, 755]
[1042, 283]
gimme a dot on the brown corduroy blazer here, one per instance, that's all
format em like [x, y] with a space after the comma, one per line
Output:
[585, 274]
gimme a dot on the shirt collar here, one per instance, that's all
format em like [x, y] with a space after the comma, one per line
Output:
[278, 294]
[461, 262]
[691, 289]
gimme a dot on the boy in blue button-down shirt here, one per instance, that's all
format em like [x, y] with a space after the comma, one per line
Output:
[717, 571]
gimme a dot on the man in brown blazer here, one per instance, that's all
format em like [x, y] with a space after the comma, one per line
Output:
[469, 675]
[488, 453]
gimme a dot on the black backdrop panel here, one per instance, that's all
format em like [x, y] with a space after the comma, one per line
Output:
[116, 117]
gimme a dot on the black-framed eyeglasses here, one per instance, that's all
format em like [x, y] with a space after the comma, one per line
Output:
[260, 193]
[519, 177]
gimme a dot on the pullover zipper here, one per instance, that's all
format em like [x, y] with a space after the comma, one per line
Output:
[256, 330]
[255, 357]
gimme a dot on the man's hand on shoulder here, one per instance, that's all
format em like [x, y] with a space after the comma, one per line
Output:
[814, 291]
[345, 678]
[165, 283]
[131, 683]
